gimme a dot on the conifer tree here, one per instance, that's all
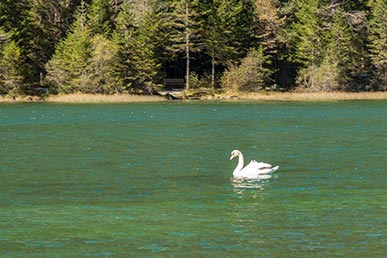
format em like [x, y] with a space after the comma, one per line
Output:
[269, 31]
[378, 42]
[102, 66]
[84, 61]
[69, 67]
[36, 26]
[137, 65]
[342, 50]
[184, 32]
[306, 31]
[155, 30]
[307, 41]
[101, 17]
[11, 61]
[220, 32]
[327, 46]
[14, 20]
[122, 37]
[268, 22]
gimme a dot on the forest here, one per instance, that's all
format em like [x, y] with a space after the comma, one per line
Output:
[136, 46]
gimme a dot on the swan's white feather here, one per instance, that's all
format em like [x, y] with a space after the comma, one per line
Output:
[260, 164]
[252, 170]
[255, 168]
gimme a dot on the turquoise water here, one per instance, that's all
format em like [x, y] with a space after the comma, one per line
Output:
[154, 180]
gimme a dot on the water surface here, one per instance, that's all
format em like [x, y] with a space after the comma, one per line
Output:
[154, 180]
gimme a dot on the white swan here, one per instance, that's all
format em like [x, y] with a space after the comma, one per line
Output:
[252, 170]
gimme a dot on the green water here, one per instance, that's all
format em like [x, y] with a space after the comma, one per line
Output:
[154, 180]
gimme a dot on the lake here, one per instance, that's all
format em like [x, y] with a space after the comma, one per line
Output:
[154, 180]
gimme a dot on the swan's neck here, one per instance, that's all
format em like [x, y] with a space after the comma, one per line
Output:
[239, 167]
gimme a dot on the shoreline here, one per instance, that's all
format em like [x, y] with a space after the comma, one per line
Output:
[84, 98]
[253, 96]
[310, 96]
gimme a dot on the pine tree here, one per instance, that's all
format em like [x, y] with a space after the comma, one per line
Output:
[37, 26]
[342, 51]
[10, 62]
[184, 32]
[378, 43]
[102, 66]
[137, 64]
[306, 31]
[269, 30]
[69, 67]
[308, 43]
[221, 32]
[155, 30]
[327, 46]
[14, 20]
[101, 17]
[268, 22]
[122, 37]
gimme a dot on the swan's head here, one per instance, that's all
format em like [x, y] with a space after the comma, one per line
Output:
[235, 153]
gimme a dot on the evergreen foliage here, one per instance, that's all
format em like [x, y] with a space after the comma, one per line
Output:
[251, 74]
[221, 32]
[69, 68]
[101, 17]
[102, 66]
[10, 63]
[327, 48]
[307, 29]
[267, 23]
[135, 36]
[108, 46]
[184, 32]
[378, 40]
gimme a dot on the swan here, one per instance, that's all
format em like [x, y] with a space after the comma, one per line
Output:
[252, 170]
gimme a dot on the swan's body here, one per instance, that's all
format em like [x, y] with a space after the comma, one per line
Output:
[252, 170]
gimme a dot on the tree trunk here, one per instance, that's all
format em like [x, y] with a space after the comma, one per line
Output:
[385, 80]
[187, 50]
[187, 68]
[213, 69]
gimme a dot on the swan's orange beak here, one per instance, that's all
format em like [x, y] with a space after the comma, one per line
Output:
[232, 156]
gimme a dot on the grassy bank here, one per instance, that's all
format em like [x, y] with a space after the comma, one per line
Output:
[305, 96]
[86, 98]
[103, 98]
[262, 96]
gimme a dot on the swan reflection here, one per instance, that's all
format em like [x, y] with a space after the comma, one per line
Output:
[241, 185]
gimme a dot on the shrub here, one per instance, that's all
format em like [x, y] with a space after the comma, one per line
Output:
[197, 82]
[10, 62]
[325, 77]
[250, 74]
